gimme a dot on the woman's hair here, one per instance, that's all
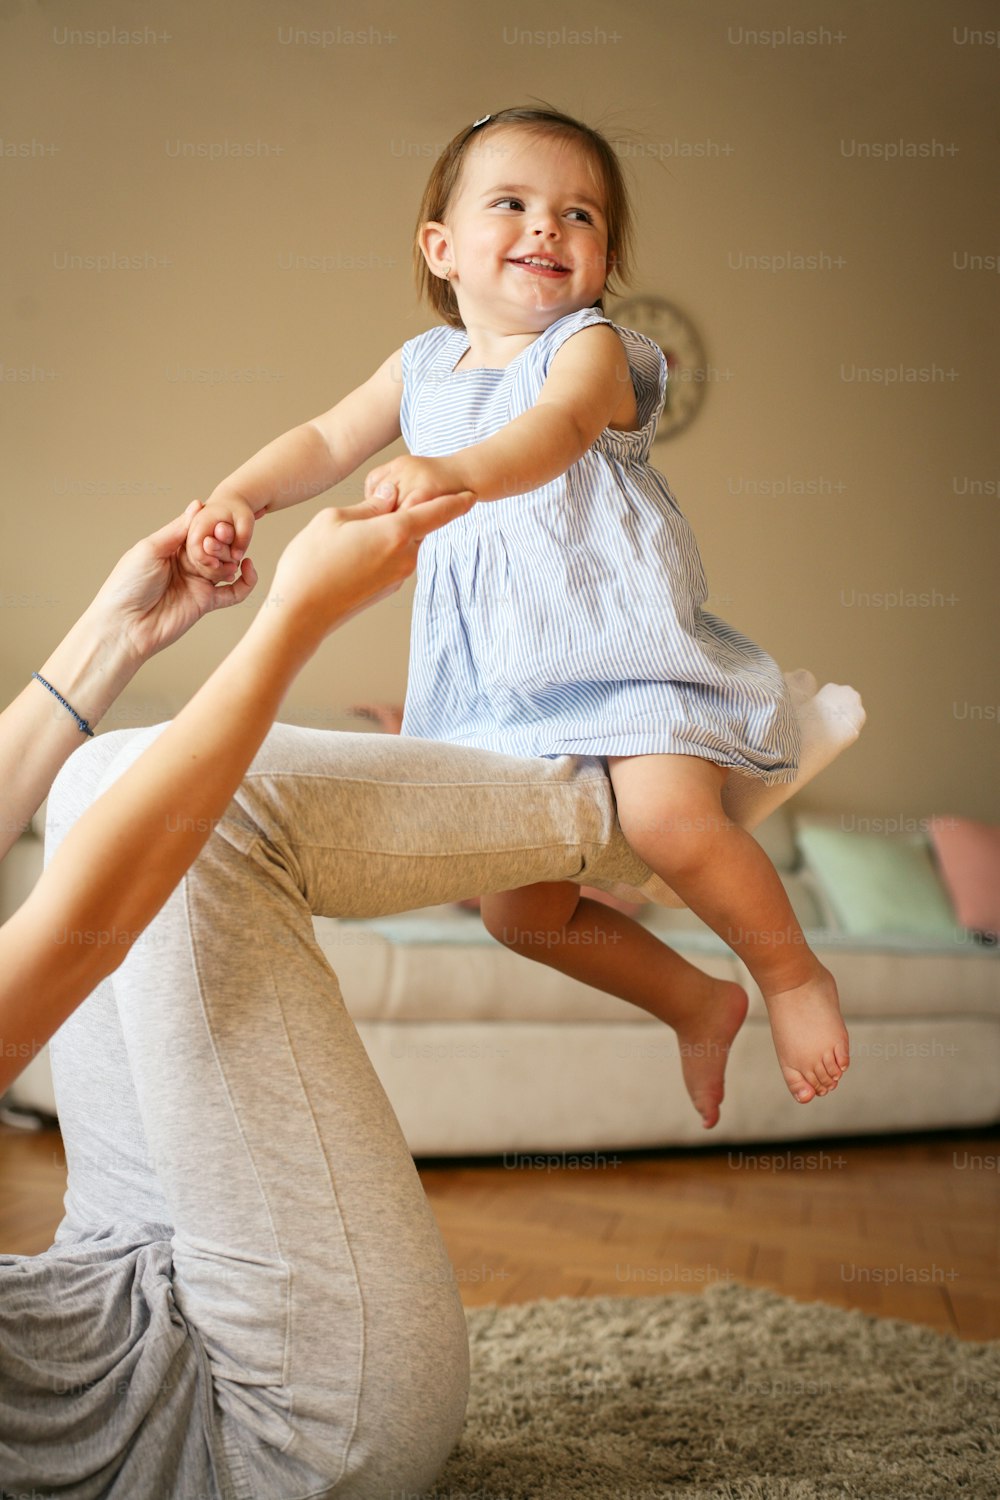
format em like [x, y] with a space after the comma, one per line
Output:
[444, 180]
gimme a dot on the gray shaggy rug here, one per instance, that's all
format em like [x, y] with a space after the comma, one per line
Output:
[735, 1394]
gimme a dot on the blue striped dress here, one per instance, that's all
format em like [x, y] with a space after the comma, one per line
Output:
[569, 620]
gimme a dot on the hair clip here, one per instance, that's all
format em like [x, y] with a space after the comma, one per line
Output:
[476, 123]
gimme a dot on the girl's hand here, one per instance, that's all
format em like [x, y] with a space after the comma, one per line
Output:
[414, 480]
[153, 595]
[218, 538]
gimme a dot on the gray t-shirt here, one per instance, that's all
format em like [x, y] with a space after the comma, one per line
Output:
[105, 1389]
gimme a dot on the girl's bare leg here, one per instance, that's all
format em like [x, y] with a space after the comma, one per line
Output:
[670, 810]
[594, 943]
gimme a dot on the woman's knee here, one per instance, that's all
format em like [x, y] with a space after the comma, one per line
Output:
[78, 783]
[415, 1406]
[439, 1414]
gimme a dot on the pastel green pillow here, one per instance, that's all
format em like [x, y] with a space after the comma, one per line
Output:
[878, 883]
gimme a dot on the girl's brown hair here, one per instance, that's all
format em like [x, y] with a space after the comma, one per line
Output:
[444, 180]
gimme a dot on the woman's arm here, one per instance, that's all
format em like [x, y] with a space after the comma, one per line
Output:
[588, 388]
[150, 599]
[118, 864]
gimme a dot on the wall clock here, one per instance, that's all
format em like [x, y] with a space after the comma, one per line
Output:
[687, 367]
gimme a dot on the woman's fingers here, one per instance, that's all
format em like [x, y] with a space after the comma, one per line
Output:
[426, 517]
[332, 569]
[384, 500]
[430, 514]
[235, 592]
[166, 541]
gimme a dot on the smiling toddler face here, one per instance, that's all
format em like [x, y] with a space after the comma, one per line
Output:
[527, 233]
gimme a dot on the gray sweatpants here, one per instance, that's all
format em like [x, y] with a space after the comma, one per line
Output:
[215, 1099]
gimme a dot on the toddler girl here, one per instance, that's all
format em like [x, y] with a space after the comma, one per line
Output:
[566, 618]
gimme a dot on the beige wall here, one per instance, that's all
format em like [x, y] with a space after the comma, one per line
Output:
[746, 147]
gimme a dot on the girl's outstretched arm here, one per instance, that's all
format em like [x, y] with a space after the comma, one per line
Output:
[118, 864]
[588, 388]
[300, 464]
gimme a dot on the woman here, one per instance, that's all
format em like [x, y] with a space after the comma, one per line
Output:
[154, 825]
[248, 1295]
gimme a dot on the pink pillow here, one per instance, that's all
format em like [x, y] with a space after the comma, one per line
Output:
[968, 855]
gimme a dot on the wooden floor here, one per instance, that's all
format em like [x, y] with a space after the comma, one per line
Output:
[905, 1227]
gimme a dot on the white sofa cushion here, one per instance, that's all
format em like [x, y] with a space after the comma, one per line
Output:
[441, 965]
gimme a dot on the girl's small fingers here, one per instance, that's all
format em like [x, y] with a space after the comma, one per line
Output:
[243, 526]
[375, 479]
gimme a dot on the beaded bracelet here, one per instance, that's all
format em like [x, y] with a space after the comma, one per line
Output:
[82, 724]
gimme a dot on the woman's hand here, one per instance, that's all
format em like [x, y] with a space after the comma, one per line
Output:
[150, 598]
[153, 594]
[345, 560]
[414, 480]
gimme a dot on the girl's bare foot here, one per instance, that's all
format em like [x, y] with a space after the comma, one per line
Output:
[809, 1034]
[705, 1032]
[633, 963]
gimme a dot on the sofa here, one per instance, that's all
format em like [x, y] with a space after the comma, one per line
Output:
[484, 1052]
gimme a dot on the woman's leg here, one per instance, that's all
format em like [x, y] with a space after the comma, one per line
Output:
[304, 1251]
[110, 1177]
